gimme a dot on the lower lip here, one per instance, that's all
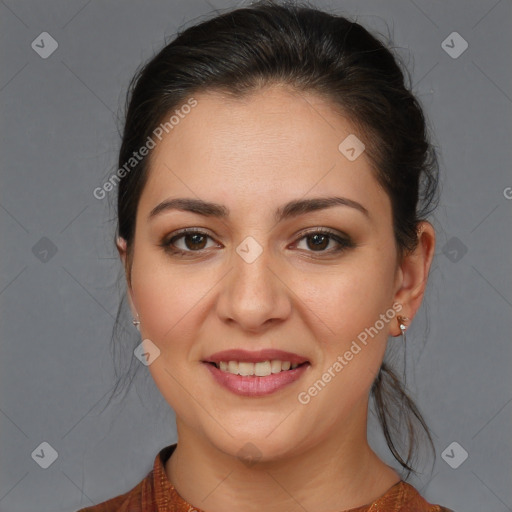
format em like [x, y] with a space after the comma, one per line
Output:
[253, 385]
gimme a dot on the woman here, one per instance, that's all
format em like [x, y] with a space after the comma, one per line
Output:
[275, 176]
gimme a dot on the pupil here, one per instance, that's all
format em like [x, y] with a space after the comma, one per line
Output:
[318, 243]
[195, 241]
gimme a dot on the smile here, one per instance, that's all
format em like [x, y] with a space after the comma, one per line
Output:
[255, 373]
[250, 384]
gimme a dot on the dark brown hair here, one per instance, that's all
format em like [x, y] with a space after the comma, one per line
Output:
[267, 43]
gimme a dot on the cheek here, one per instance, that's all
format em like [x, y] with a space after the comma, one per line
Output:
[169, 304]
[352, 297]
[347, 324]
[166, 295]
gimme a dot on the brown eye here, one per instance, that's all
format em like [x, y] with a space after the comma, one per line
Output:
[194, 241]
[319, 240]
[186, 241]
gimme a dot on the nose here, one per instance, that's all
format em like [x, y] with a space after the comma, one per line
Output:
[253, 296]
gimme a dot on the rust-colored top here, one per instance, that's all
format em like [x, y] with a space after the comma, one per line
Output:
[156, 494]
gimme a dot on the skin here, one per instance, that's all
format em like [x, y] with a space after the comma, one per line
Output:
[252, 156]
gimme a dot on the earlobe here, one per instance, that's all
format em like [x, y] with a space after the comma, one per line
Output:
[413, 272]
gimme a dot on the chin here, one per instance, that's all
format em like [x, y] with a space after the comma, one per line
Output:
[256, 445]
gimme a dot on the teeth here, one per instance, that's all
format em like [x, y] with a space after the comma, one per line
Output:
[261, 369]
[276, 366]
[245, 368]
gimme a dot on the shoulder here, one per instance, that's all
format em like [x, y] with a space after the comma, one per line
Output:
[130, 501]
[412, 501]
[153, 489]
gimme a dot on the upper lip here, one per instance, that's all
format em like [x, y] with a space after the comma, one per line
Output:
[255, 357]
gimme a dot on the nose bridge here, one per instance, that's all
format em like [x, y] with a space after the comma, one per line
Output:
[253, 294]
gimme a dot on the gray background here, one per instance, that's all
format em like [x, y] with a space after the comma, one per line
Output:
[58, 142]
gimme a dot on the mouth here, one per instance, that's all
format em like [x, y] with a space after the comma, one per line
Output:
[256, 374]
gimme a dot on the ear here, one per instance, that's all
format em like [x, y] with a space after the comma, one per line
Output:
[413, 272]
[121, 248]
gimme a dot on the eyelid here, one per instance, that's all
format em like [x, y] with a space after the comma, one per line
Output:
[322, 229]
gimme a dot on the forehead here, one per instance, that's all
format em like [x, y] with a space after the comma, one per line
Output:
[273, 141]
[275, 124]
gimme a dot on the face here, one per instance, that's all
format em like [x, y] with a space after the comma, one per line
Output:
[310, 281]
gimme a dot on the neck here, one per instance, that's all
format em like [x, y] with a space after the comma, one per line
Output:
[339, 472]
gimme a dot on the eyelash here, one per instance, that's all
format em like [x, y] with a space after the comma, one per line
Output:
[344, 242]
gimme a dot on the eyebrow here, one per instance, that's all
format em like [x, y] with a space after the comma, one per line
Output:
[291, 209]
